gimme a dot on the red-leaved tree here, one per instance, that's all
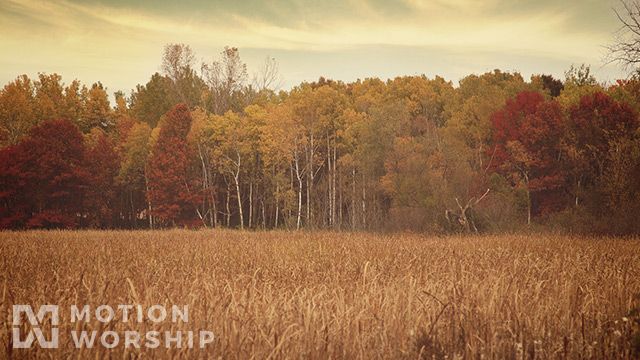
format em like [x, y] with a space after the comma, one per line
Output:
[102, 164]
[172, 193]
[602, 155]
[43, 178]
[594, 125]
[527, 136]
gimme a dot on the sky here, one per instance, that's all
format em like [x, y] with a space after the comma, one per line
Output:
[120, 42]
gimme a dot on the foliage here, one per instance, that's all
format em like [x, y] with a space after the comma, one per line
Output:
[153, 100]
[44, 178]
[172, 193]
[527, 139]
[102, 165]
[495, 153]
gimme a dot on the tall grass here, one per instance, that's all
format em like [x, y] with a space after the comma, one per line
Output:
[330, 295]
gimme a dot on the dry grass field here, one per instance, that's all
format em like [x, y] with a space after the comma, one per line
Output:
[332, 295]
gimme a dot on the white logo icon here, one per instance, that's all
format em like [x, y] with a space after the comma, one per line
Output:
[35, 321]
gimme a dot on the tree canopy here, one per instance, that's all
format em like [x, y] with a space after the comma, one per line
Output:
[495, 152]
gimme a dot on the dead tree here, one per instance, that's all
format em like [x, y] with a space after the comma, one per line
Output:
[462, 217]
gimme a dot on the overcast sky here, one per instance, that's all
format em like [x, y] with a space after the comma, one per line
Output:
[120, 42]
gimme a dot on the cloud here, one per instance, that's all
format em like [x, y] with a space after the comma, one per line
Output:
[124, 40]
[454, 24]
[541, 33]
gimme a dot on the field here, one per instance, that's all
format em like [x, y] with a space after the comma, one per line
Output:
[330, 295]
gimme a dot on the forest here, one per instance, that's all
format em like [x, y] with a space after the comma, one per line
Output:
[208, 145]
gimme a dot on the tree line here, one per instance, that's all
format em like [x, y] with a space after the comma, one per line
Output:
[207, 145]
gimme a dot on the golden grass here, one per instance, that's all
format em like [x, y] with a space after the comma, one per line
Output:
[331, 295]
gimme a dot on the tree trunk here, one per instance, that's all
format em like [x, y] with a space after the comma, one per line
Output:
[299, 203]
[353, 201]
[526, 178]
[308, 201]
[463, 216]
[340, 223]
[205, 179]
[133, 212]
[264, 217]
[299, 177]
[463, 212]
[333, 186]
[329, 219]
[149, 207]
[250, 203]
[310, 181]
[277, 206]
[528, 207]
[213, 202]
[228, 210]
[364, 204]
[237, 181]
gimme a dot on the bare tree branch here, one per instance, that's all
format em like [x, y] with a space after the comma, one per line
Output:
[625, 49]
[268, 76]
[225, 77]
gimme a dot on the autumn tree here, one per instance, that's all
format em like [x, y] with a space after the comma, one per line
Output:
[97, 110]
[616, 207]
[254, 120]
[13, 212]
[277, 154]
[283, 143]
[626, 91]
[579, 81]
[594, 127]
[17, 113]
[470, 108]
[374, 137]
[526, 148]
[102, 165]
[199, 139]
[319, 112]
[173, 193]
[122, 120]
[152, 101]
[425, 99]
[75, 98]
[49, 97]
[601, 158]
[44, 178]
[178, 62]
[466, 134]
[596, 123]
[132, 175]
[547, 85]
[231, 140]
[408, 181]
